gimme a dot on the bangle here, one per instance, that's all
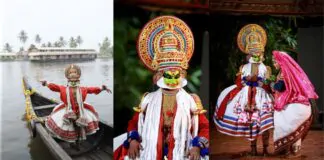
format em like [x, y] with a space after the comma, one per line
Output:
[200, 142]
[133, 135]
[204, 152]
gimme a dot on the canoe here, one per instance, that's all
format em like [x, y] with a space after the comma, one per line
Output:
[98, 146]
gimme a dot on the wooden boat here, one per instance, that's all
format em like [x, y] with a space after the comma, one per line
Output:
[97, 146]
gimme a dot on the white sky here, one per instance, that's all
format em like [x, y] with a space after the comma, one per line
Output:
[91, 19]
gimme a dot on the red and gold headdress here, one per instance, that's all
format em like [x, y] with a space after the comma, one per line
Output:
[165, 42]
[251, 39]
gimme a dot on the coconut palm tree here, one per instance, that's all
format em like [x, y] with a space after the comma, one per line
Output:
[105, 47]
[57, 44]
[49, 44]
[79, 40]
[22, 37]
[73, 43]
[62, 41]
[7, 47]
[38, 39]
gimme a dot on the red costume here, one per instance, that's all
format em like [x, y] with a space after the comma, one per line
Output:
[84, 91]
[56, 121]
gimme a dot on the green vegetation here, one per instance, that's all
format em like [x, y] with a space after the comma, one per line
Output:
[105, 49]
[7, 48]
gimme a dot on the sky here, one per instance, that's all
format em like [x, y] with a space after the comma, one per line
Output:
[91, 19]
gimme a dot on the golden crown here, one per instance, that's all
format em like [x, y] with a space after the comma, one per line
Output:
[252, 39]
[168, 53]
[165, 42]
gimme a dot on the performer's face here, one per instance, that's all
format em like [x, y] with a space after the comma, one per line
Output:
[256, 57]
[275, 63]
[172, 78]
[73, 75]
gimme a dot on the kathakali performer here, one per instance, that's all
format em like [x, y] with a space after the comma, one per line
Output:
[293, 115]
[169, 123]
[73, 119]
[245, 109]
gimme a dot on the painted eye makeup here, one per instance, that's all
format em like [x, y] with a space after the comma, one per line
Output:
[166, 75]
[177, 76]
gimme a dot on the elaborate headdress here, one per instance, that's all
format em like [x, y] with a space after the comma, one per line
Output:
[165, 42]
[251, 39]
[72, 66]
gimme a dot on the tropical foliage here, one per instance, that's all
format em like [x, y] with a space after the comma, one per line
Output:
[73, 43]
[105, 48]
[22, 36]
[61, 42]
[38, 39]
[7, 48]
[79, 40]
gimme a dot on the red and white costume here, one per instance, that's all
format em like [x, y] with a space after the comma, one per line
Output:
[230, 116]
[149, 124]
[245, 109]
[73, 106]
[169, 121]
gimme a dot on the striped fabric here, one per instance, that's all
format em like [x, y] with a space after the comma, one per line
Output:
[230, 126]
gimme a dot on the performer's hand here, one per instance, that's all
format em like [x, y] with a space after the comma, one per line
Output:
[104, 87]
[133, 151]
[194, 153]
[44, 83]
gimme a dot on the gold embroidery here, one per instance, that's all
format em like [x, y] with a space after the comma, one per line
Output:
[168, 104]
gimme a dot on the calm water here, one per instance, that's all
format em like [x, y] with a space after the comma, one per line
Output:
[16, 141]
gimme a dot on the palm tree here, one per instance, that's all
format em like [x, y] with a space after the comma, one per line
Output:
[62, 41]
[49, 44]
[79, 40]
[73, 43]
[22, 37]
[43, 45]
[38, 39]
[57, 44]
[7, 47]
[105, 48]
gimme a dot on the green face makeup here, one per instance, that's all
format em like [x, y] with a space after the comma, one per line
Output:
[171, 78]
[256, 58]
